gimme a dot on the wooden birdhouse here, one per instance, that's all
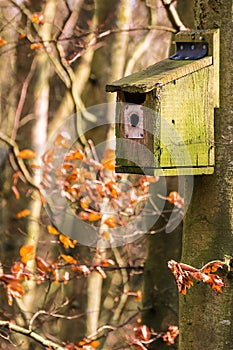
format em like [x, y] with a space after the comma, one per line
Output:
[165, 113]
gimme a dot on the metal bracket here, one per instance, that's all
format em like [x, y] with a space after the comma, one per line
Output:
[190, 50]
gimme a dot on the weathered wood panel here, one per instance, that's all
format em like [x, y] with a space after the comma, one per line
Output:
[187, 114]
[178, 97]
[160, 73]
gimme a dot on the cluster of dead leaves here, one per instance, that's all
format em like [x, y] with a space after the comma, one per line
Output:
[66, 241]
[171, 334]
[38, 17]
[95, 193]
[175, 199]
[84, 344]
[185, 274]
[30, 266]
[144, 336]
[19, 273]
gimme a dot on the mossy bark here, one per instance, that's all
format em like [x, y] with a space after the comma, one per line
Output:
[206, 319]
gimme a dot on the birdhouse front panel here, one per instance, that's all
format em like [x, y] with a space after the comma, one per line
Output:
[134, 136]
[165, 114]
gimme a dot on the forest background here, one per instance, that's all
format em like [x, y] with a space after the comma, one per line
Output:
[56, 58]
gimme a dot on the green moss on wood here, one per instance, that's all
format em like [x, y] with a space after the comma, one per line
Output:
[161, 73]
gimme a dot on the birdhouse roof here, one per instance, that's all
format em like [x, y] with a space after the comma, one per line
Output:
[160, 73]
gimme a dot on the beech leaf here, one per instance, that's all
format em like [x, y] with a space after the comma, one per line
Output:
[26, 154]
[23, 213]
[27, 253]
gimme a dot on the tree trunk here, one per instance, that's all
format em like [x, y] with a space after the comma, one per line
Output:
[38, 141]
[160, 292]
[206, 319]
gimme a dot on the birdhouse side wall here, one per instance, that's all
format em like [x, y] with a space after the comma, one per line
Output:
[187, 121]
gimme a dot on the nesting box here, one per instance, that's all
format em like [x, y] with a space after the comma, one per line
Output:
[165, 113]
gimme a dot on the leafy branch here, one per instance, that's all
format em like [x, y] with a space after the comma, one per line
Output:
[20, 163]
[143, 336]
[185, 274]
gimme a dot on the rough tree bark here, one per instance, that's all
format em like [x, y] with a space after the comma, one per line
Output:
[206, 319]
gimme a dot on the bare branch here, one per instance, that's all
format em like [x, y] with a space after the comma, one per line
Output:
[75, 91]
[55, 315]
[22, 99]
[126, 288]
[69, 25]
[91, 44]
[109, 328]
[29, 333]
[20, 163]
[49, 46]
[140, 49]
[173, 15]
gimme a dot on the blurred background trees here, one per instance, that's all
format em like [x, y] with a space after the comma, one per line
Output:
[55, 59]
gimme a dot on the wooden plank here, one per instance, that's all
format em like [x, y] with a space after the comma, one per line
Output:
[161, 73]
[179, 132]
[185, 171]
[139, 152]
[180, 124]
[187, 113]
[166, 171]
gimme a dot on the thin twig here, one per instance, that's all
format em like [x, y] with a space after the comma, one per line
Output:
[7, 338]
[110, 328]
[80, 109]
[126, 288]
[98, 36]
[22, 99]
[51, 314]
[51, 50]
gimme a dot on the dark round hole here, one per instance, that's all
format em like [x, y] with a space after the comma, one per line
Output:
[134, 119]
[136, 97]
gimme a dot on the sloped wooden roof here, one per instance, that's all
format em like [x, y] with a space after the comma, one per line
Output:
[162, 72]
